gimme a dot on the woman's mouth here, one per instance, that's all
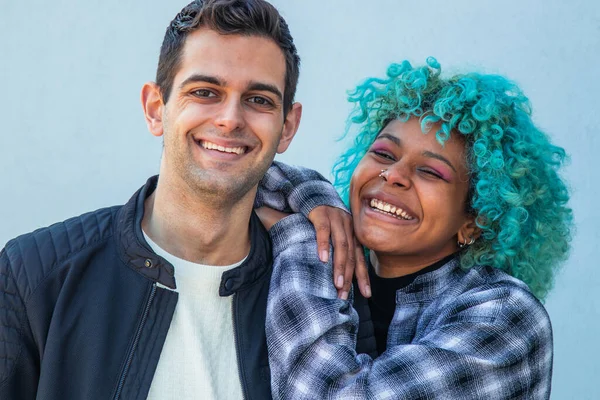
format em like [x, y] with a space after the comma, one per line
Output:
[390, 209]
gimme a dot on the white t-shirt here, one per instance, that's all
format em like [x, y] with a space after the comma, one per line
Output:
[198, 360]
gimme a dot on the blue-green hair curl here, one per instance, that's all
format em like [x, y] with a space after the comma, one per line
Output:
[516, 192]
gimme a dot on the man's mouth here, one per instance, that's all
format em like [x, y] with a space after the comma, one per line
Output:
[390, 209]
[213, 146]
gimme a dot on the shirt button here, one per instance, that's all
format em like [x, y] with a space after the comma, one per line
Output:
[229, 284]
[148, 263]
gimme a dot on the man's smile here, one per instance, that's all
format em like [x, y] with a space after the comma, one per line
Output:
[224, 149]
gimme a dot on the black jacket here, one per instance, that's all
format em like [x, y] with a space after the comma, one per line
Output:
[82, 317]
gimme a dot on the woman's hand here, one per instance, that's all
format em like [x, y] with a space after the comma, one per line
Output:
[348, 256]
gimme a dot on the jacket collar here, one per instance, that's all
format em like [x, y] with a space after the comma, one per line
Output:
[137, 254]
[430, 284]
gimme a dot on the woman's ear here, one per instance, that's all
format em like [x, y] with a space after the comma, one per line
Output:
[469, 232]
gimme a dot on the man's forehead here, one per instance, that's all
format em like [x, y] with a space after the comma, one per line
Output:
[235, 60]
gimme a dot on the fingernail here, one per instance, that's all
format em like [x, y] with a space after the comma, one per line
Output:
[367, 291]
[344, 295]
[340, 281]
[324, 256]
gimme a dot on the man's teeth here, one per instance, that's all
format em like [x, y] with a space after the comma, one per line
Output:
[212, 146]
[390, 209]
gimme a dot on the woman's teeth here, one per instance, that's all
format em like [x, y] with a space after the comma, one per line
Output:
[390, 209]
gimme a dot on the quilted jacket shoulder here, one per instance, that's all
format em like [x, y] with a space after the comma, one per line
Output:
[34, 255]
[27, 260]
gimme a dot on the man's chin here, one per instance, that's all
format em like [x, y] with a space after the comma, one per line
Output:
[226, 187]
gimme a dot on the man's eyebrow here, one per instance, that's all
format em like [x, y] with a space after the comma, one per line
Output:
[202, 78]
[266, 87]
[426, 153]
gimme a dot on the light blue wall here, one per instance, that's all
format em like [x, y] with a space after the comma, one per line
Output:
[73, 136]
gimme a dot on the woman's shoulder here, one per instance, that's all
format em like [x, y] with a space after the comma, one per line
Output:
[484, 276]
[490, 292]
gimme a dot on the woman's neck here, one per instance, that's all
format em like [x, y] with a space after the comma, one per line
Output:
[394, 266]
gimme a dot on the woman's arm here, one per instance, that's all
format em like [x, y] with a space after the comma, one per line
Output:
[293, 189]
[495, 344]
[290, 189]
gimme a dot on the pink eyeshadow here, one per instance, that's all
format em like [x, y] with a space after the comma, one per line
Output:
[379, 147]
[443, 172]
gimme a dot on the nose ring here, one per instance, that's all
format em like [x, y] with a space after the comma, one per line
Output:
[382, 174]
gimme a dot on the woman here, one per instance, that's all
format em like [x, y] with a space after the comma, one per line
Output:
[456, 195]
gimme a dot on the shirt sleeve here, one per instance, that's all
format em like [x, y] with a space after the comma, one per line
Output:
[468, 354]
[295, 189]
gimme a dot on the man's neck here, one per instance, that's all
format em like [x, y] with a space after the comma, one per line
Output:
[200, 231]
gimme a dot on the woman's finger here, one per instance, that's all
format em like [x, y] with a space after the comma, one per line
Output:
[320, 219]
[361, 271]
[341, 244]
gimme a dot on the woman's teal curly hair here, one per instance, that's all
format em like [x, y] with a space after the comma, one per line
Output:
[515, 190]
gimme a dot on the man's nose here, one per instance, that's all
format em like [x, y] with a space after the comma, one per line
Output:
[230, 116]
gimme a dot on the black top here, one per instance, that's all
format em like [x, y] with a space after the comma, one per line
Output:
[383, 299]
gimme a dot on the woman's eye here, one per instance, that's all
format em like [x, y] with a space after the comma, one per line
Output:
[383, 154]
[431, 173]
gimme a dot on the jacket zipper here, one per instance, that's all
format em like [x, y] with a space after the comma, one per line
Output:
[135, 343]
[237, 347]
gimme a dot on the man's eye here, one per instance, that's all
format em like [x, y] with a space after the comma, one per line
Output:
[261, 101]
[203, 93]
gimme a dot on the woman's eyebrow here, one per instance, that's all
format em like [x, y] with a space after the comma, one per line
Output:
[391, 138]
[426, 153]
[440, 157]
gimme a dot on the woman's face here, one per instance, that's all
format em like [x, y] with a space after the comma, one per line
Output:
[417, 211]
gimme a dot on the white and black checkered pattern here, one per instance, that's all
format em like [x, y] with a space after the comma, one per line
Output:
[476, 334]
[295, 189]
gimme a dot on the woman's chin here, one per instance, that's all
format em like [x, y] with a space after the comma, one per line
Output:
[379, 242]
[384, 237]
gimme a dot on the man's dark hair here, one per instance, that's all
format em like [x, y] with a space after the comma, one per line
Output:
[228, 17]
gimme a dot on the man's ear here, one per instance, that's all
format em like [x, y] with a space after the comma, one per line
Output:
[290, 127]
[153, 106]
[469, 232]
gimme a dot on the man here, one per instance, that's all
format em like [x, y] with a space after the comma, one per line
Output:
[165, 297]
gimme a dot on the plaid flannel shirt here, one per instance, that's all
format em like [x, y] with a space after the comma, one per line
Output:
[295, 189]
[476, 334]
